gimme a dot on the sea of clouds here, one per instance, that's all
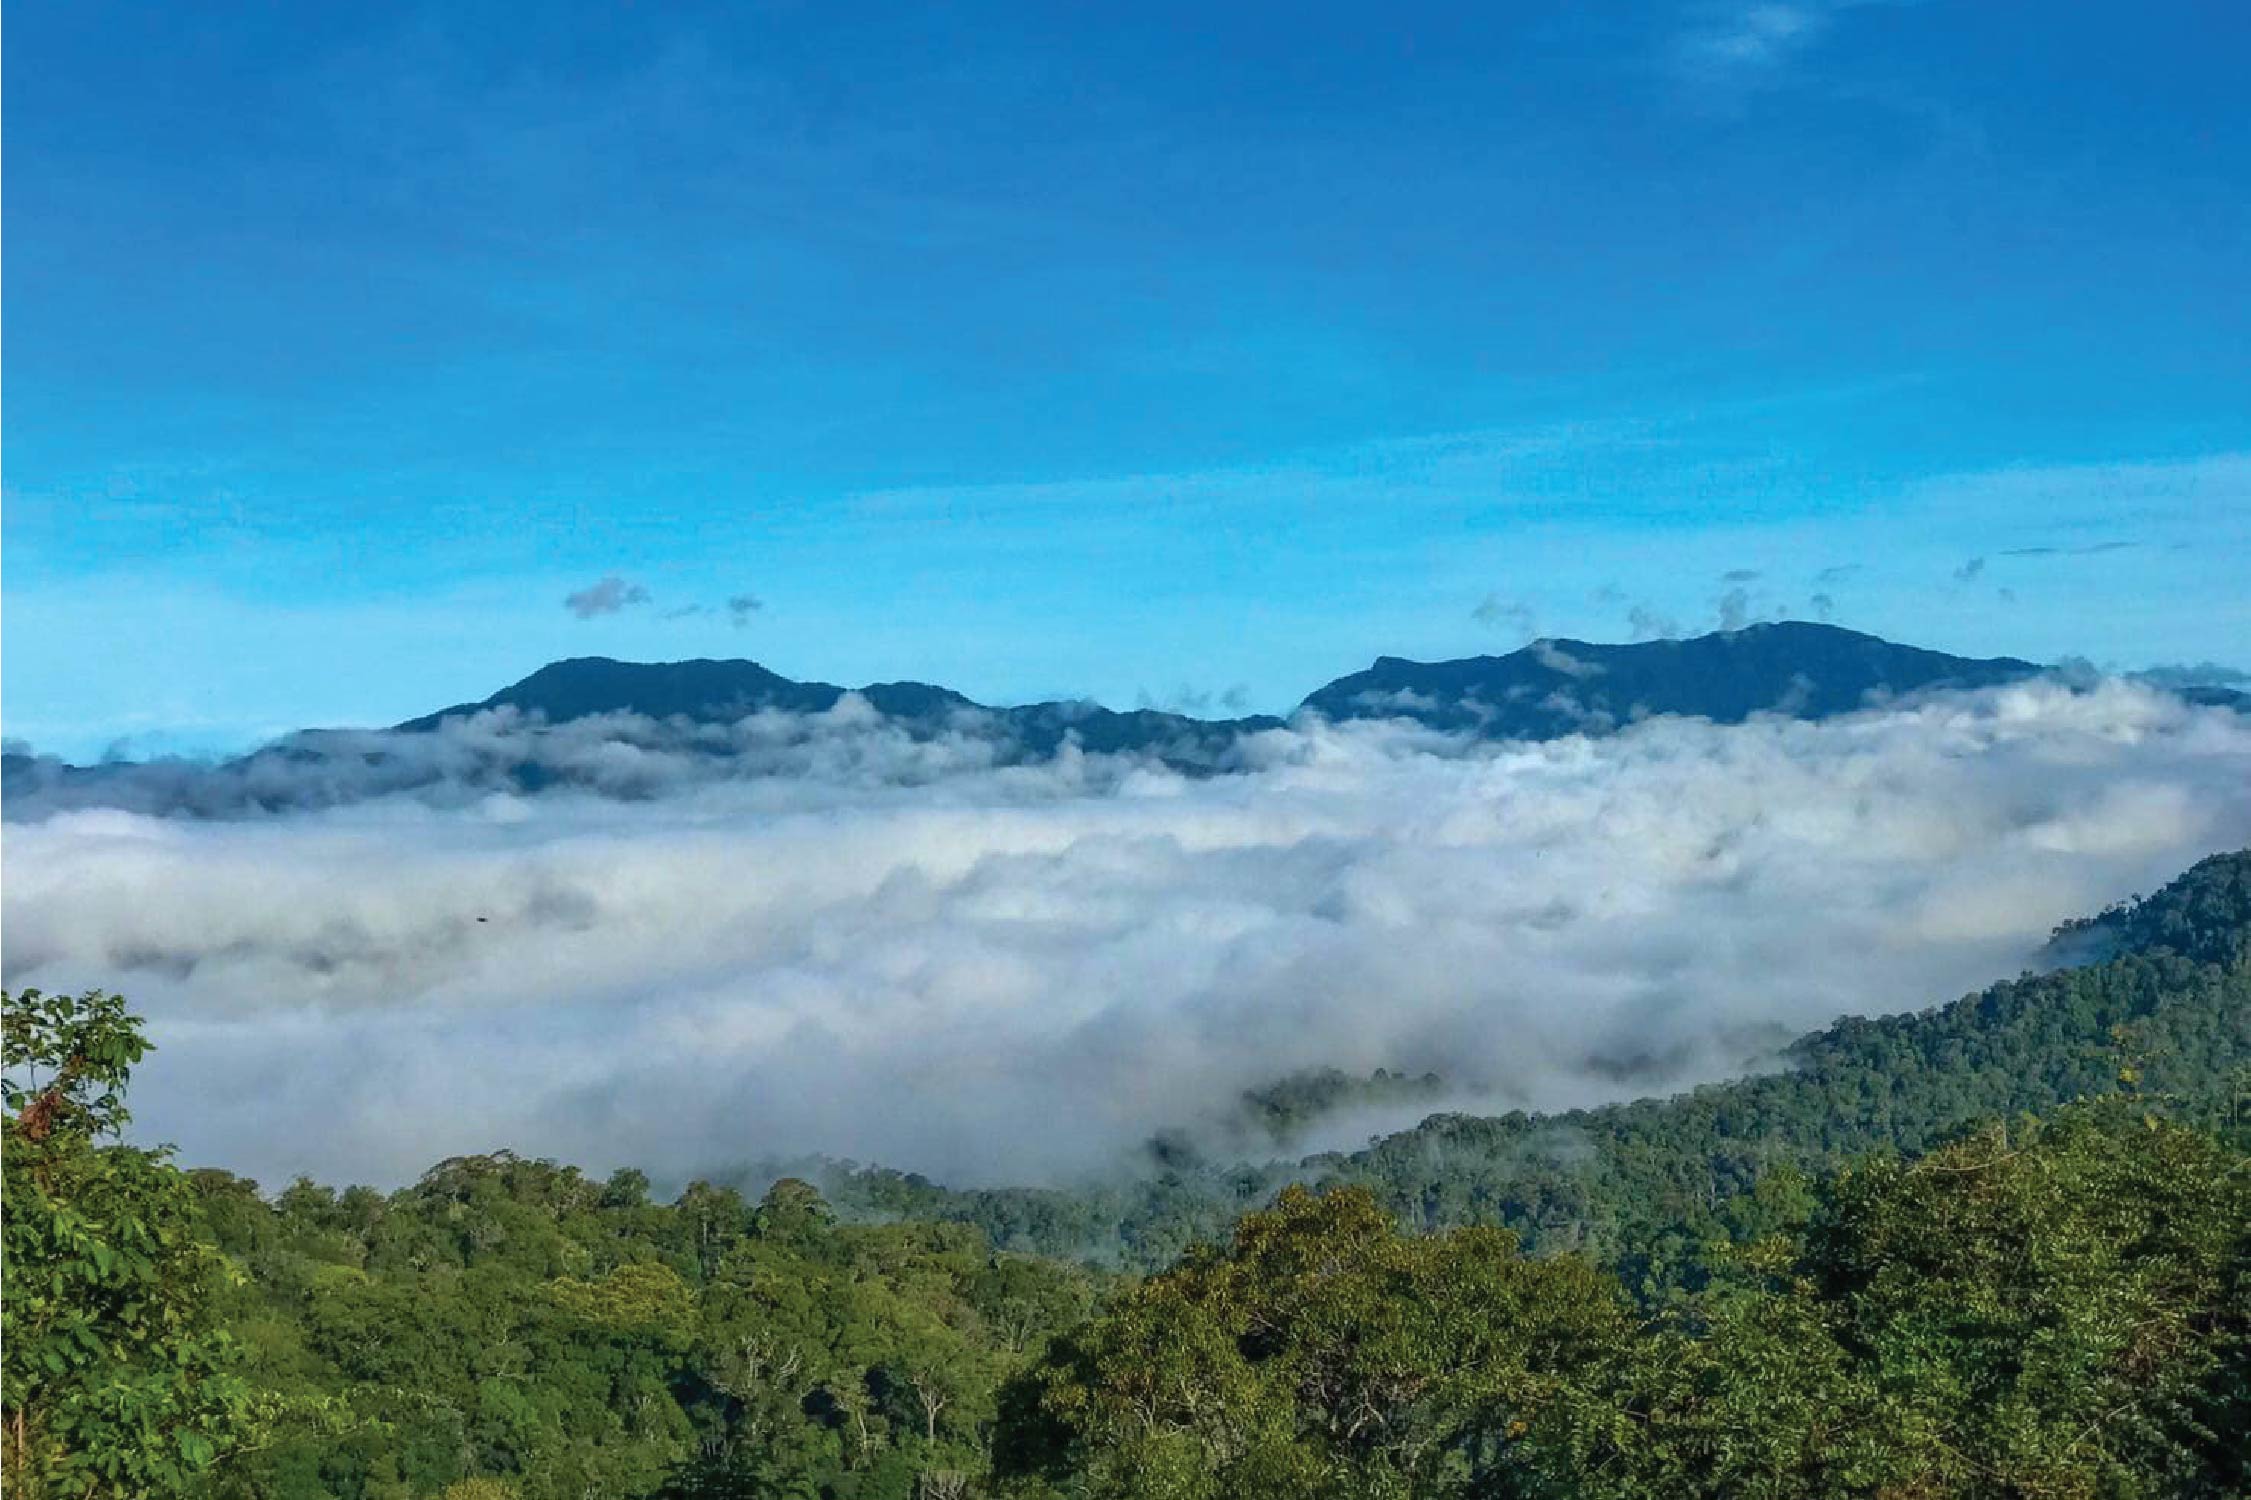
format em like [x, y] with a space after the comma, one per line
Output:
[901, 949]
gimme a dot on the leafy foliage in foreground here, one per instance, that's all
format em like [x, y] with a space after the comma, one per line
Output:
[116, 1373]
[2054, 1310]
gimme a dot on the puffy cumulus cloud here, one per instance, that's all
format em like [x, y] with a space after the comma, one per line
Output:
[1020, 972]
[606, 596]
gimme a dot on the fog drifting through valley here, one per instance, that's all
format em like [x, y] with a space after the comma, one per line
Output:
[902, 953]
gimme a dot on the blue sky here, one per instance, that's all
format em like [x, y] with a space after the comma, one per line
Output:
[1183, 354]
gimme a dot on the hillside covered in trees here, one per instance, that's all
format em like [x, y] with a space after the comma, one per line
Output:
[2001, 1248]
[2169, 1000]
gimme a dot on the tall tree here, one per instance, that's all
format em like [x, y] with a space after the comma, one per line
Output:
[114, 1378]
[1321, 1353]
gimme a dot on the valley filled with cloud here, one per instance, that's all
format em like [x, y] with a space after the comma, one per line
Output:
[900, 952]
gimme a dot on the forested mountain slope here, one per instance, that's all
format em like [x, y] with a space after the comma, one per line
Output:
[2170, 1005]
[2060, 1308]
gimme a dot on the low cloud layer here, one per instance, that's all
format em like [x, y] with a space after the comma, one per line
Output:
[469, 759]
[902, 952]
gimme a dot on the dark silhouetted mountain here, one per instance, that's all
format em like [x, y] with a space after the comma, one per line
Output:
[1558, 687]
[724, 692]
[704, 691]
[631, 730]
[639, 729]
[2211, 695]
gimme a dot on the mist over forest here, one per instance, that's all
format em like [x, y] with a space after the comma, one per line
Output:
[846, 939]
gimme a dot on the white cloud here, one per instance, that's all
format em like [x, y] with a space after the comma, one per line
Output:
[1556, 659]
[903, 953]
[1731, 47]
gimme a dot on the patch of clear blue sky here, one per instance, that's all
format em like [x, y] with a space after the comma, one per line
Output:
[1142, 352]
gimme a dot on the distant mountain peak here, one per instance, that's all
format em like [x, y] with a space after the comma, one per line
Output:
[1555, 686]
[1550, 687]
[702, 688]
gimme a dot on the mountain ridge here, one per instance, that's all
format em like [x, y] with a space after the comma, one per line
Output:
[710, 690]
[707, 710]
[1724, 675]
[1556, 686]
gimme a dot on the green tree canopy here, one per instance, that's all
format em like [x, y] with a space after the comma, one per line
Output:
[117, 1379]
[1320, 1353]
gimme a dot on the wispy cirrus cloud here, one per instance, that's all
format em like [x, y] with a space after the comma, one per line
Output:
[1753, 37]
[1726, 50]
[2092, 549]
